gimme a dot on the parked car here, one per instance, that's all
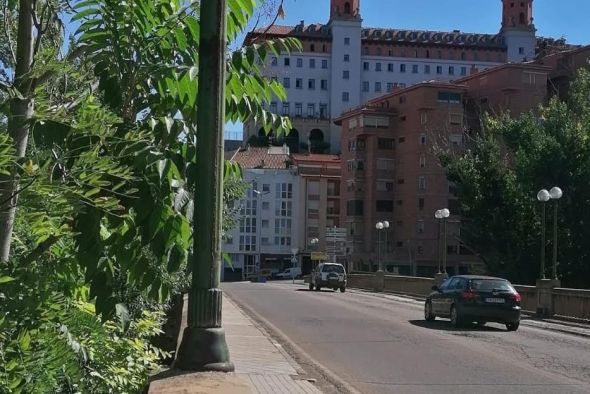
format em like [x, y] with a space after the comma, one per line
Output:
[289, 273]
[331, 275]
[470, 298]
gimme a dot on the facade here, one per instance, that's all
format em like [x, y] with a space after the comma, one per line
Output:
[269, 215]
[344, 65]
[391, 169]
[319, 199]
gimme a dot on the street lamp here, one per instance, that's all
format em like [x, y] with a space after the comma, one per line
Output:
[556, 193]
[442, 215]
[386, 227]
[380, 226]
[543, 196]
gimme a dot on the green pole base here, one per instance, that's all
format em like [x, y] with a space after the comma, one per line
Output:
[203, 350]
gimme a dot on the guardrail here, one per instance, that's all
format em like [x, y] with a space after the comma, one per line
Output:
[571, 303]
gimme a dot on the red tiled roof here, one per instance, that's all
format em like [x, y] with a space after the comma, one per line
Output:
[267, 157]
[316, 158]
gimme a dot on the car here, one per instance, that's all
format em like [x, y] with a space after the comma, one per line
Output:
[331, 275]
[471, 298]
[289, 273]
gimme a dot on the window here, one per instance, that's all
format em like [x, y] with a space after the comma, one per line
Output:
[421, 203]
[311, 63]
[377, 86]
[384, 205]
[414, 69]
[422, 161]
[451, 70]
[286, 108]
[439, 70]
[346, 40]
[402, 68]
[299, 83]
[384, 186]
[265, 224]
[354, 208]
[401, 181]
[366, 51]
[420, 226]
[311, 84]
[299, 62]
[323, 111]
[324, 84]
[310, 110]
[423, 117]
[366, 66]
[401, 140]
[377, 66]
[455, 119]
[287, 83]
[284, 209]
[463, 70]
[365, 86]
[385, 164]
[312, 48]
[422, 183]
[386, 143]
[345, 97]
[265, 205]
[521, 51]
[456, 139]
[449, 97]
[427, 69]
[422, 139]
[284, 190]
[389, 86]
[346, 58]
[390, 67]
[324, 63]
[298, 109]
[400, 202]
[530, 78]
[274, 61]
[402, 99]
[287, 62]
[345, 74]
[273, 107]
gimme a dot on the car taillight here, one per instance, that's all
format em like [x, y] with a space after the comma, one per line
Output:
[516, 297]
[468, 295]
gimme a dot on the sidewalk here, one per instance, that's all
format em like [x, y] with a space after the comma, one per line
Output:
[261, 366]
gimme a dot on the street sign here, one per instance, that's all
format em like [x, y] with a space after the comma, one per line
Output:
[319, 256]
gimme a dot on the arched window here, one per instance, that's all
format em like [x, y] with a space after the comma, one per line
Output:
[347, 8]
[312, 48]
[427, 53]
[522, 18]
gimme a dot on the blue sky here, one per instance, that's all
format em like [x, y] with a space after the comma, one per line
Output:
[553, 18]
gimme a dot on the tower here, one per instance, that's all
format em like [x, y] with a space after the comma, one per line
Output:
[345, 26]
[344, 9]
[518, 30]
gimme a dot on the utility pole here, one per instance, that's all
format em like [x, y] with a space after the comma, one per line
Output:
[203, 346]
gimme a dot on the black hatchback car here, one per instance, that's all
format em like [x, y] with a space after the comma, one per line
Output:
[470, 298]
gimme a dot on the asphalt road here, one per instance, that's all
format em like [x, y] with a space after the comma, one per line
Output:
[379, 345]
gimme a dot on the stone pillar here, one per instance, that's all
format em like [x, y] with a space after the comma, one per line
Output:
[379, 281]
[545, 296]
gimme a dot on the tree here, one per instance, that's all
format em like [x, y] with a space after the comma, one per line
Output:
[504, 167]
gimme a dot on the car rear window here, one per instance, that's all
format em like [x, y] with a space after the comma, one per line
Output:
[490, 284]
[333, 268]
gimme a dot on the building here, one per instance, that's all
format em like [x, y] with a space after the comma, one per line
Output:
[564, 65]
[269, 215]
[391, 170]
[319, 197]
[344, 65]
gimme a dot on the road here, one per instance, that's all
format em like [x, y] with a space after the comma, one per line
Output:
[379, 345]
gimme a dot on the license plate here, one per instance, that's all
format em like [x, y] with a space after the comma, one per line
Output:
[496, 300]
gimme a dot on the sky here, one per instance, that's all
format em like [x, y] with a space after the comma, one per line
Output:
[552, 18]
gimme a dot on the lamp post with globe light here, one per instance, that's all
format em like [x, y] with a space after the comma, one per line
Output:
[556, 193]
[442, 215]
[543, 196]
[379, 226]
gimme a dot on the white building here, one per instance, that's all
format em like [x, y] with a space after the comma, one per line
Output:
[343, 65]
[269, 214]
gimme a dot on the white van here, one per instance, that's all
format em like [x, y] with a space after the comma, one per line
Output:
[289, 273]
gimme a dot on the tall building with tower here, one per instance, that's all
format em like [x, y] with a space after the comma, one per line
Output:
[343, 65]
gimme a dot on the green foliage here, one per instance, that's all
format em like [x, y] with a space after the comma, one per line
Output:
[498, 179]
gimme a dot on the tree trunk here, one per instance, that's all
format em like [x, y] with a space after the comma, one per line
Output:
[19, 119]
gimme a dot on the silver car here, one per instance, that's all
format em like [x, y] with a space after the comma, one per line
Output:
[330, 275]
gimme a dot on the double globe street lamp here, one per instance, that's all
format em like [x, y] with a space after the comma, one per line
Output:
[441, 215]
[380, 226]
[544, 196]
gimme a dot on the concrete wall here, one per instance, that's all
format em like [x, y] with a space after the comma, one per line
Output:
[572, 303]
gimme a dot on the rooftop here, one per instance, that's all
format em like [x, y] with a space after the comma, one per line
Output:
[274, 157]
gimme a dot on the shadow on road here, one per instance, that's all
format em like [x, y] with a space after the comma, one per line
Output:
[321, 291]
[446, 326]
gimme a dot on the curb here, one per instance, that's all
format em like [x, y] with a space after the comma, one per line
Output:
[294, 350]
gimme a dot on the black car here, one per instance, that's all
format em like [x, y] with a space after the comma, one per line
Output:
[470, 298]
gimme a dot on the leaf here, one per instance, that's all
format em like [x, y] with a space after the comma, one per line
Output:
[6, 279]
[123, 315]
[193, 72]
